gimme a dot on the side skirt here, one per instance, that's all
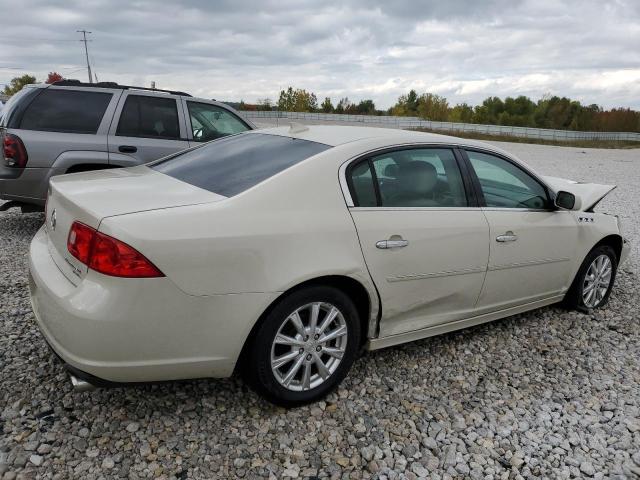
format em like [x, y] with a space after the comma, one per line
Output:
[377, 343]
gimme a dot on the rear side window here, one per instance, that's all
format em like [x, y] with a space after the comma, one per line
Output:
[12, 111]
[421, 177]
[151, 117]
[70, 111]
[236, 163]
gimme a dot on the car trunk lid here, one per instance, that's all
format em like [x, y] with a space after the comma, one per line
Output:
[91, 196]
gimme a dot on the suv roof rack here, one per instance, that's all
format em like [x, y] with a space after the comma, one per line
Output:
[78, 83]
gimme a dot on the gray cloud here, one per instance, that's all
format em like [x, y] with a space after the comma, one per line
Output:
[465, 50]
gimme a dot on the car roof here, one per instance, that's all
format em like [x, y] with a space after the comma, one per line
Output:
[335, 135]
[377, 137]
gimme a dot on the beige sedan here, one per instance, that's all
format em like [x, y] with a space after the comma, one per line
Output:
[281, 253]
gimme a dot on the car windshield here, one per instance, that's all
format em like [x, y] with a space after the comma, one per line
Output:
[233, 164]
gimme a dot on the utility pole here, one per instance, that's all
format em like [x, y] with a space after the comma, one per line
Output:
[86, 52]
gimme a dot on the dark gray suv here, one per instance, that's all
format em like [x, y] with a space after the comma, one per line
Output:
[69, 127]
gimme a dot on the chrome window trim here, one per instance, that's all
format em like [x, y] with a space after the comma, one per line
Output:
[344, 185]
[405, 209]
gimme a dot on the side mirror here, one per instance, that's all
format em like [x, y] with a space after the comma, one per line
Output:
[567, 201]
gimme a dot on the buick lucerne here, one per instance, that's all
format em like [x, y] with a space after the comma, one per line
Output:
[282, 253]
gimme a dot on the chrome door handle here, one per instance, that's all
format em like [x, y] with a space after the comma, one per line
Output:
[392, 243]
[507, 237]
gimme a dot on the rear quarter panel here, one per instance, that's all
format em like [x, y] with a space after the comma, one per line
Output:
[291, 228]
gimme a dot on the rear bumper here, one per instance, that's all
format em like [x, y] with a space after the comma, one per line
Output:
[137, 330]
[27, 185]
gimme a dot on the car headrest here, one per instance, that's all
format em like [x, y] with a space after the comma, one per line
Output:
[418, 177]
[391, 170]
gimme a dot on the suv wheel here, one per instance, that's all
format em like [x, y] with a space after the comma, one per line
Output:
[304, 347]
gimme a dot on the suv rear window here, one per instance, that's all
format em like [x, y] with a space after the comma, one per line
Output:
[70, 111]
[233, 164]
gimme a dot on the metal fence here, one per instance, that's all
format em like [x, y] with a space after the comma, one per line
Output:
[414, 122]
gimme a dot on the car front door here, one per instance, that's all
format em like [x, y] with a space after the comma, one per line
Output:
[531, 242]
[147, 126]
[424, 241]
[208, 121]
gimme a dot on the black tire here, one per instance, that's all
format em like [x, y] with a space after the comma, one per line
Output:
[574, 298]
[257, 369]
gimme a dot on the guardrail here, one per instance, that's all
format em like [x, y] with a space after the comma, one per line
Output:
[415, 122]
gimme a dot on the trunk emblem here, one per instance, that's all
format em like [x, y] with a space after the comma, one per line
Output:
[53, 220]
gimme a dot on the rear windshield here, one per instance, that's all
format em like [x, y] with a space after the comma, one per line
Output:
[236, 163]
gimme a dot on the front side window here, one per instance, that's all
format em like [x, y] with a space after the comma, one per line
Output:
[67, 111]
[209, 122]
[150, 117]
[425, 177]
[236, 163]
[505, 185]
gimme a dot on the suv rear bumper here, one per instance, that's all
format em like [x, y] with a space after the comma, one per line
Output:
[28, 185]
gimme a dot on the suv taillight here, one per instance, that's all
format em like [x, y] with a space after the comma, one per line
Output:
[108, 255]
[15, 155]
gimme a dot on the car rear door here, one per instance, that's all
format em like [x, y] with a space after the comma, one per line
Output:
[147, 126]
[531, 242]
[424, 241]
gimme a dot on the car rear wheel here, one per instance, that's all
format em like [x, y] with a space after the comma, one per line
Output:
[304, 347]
[594, 281]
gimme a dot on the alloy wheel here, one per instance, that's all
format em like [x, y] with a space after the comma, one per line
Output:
[309, 346]
[597, 281]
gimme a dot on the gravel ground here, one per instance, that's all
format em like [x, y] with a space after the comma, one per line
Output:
[547, 394]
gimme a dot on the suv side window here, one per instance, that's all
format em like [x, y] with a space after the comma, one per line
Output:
[505, 185]
[209, 122]
[152, 117]
[421, 177]
[70, 111]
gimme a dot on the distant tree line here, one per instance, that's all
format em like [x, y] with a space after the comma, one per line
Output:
[17, 83]
[548, 112]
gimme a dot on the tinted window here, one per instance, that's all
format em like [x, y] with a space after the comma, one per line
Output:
[364, 192]
[427, 177]
[72, 111]
[12, 111]
[233, 164]
[209, 122]
[152, 117]
[504, 185]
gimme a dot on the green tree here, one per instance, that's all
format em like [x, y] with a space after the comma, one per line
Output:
[326, 106]
[17, 84]
[461, 113]
[433, 107]
[298, 100]
[344, 106]
[366, 107]
[407, 105]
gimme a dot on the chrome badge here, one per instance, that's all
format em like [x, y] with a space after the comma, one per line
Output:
[53, 220]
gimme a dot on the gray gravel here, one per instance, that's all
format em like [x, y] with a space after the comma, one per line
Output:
[547, 394]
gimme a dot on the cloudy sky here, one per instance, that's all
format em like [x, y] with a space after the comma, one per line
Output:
[465, 50]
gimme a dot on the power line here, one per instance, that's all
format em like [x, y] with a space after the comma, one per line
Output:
[86, 52]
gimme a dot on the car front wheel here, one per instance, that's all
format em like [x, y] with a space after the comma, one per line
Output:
[304, 347]
[594, 281]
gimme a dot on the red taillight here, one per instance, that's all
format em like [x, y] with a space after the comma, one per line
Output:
[108, 255]
[15, 155]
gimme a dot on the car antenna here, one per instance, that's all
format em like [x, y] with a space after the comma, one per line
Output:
[297, 127]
